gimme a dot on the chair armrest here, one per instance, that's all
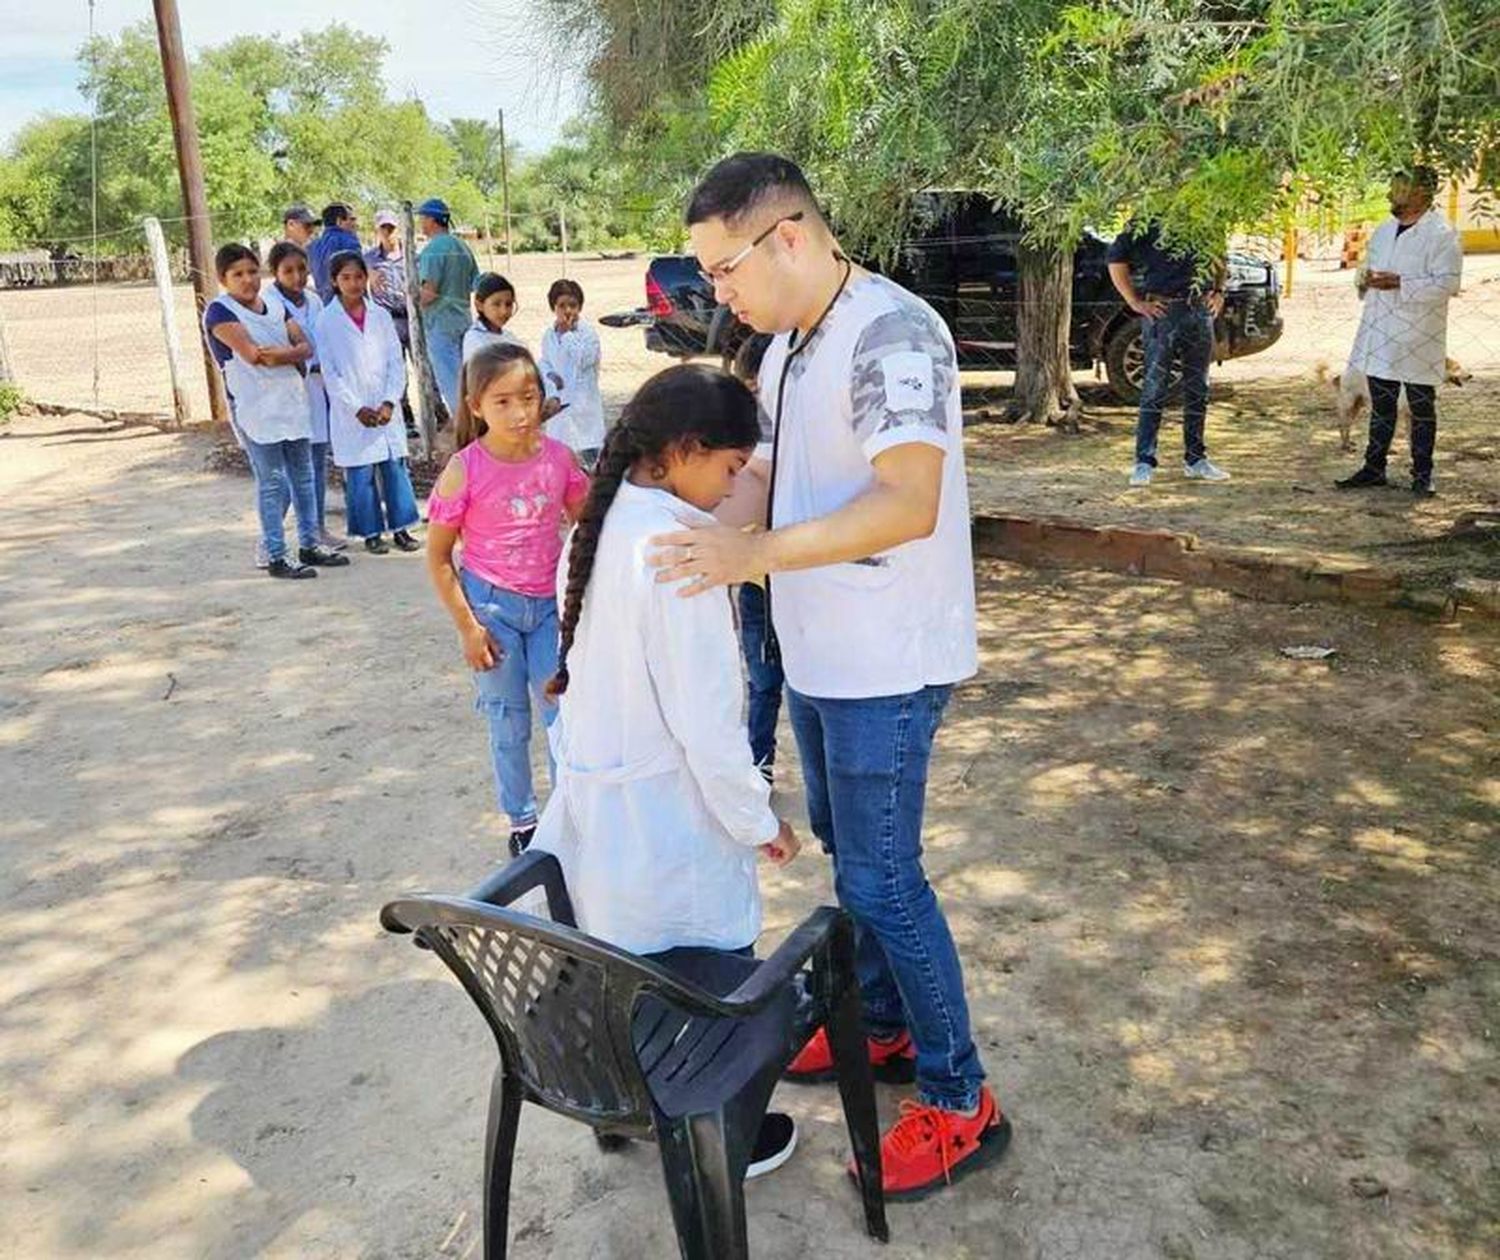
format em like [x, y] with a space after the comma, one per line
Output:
[510, 882]
[516, 879]
[815, 932]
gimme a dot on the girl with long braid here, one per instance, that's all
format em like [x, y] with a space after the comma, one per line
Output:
[507, 494]
[659, 810]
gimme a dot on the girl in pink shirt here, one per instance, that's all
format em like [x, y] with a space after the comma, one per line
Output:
[507, 494]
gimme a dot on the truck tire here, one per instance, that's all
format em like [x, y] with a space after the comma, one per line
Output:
[1125, 364]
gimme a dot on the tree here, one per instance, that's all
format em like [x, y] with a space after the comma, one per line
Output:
[306, 119]
[1202, 115]
[47, 160]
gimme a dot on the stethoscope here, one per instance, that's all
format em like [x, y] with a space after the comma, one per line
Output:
[770, 652]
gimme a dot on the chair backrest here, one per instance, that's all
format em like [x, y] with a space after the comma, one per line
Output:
[559, 1002]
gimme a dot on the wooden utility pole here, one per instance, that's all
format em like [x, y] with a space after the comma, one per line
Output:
[510, 257]
[190, 172]
[427, 390]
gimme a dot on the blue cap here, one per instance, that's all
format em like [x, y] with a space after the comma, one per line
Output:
[435, 208]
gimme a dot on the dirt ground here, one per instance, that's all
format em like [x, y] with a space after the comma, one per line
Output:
[1272, 424]
[1228, 919]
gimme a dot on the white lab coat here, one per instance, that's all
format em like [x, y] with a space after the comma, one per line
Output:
[658, 808]
[1403, 333]
[479, 336]
[361, 369]
[307, 320]
[574, 358]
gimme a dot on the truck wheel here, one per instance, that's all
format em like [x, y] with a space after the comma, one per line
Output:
[1125, 364]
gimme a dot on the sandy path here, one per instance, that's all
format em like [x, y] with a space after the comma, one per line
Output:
[1228, 919]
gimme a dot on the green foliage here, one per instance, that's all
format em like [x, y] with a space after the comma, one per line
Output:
[279, 121]
[1209, 114]
[11, 399]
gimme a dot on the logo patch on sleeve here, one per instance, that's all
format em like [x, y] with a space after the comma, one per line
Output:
[908, 381]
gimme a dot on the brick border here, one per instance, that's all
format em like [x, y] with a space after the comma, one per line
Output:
[1048, 542]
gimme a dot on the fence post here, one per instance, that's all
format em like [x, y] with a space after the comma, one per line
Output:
[562, 228]
[6, 372]
[427, 392]
[161, 267]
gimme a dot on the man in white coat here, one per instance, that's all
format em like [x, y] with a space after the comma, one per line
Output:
[1412, 269]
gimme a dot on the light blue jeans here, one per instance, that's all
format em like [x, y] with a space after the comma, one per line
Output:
[865, 766]
[282, 469]
[525, 632]
[445, 352]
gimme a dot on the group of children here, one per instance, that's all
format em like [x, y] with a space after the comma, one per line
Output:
[306, 379]
[651, 767]
[659, 807]
[572, 407]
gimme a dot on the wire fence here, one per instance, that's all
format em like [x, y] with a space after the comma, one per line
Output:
[74, 339]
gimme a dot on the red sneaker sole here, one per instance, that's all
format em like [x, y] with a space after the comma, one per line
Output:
[897, 1070]
[993, 1143]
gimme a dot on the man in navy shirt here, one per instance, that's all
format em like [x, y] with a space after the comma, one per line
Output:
[1178, 296]
[338, 235]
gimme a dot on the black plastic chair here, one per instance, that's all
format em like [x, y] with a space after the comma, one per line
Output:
[686, 1057]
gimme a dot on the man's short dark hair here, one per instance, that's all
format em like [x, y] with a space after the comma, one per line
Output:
[334, 213]
[1423, 177]
[742, 183]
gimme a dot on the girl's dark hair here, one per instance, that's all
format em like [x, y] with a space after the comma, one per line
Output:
[345, 258]
[482, 367]
[748, 357]
[684, 407]
[232, 253]
[283, 250]
[564, 288]
[487, 286]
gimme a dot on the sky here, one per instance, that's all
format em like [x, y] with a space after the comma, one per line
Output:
[462, 58]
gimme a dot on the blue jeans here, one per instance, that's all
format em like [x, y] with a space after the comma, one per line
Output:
[524, 628]
[371, 508]
[1183, 336]
[445, 352]
[282, 470]
[766, 678]
[320, 478]
[865, 762]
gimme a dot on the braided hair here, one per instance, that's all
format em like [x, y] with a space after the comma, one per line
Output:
[687, 407]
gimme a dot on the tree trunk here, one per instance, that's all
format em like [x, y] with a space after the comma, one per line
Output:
[1044, 390]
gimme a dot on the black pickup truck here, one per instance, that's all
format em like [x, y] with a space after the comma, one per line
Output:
[963, 262]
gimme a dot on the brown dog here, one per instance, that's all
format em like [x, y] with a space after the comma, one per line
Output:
[1352, 405]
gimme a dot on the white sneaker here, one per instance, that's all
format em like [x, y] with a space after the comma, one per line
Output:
[774, 1144]
[332, 541]
[1141, 475]
[262, 556]
[1203, 470]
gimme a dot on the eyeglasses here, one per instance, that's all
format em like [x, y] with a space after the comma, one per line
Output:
[712, 275]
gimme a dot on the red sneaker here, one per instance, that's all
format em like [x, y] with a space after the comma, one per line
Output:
[894, 1061]
[929, 1148]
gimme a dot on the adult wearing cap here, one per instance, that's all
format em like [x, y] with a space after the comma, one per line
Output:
[387, 264]
[338, 236]
[447, 270]
[299, 226]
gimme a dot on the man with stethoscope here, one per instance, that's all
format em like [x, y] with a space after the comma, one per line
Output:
[871, 601]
